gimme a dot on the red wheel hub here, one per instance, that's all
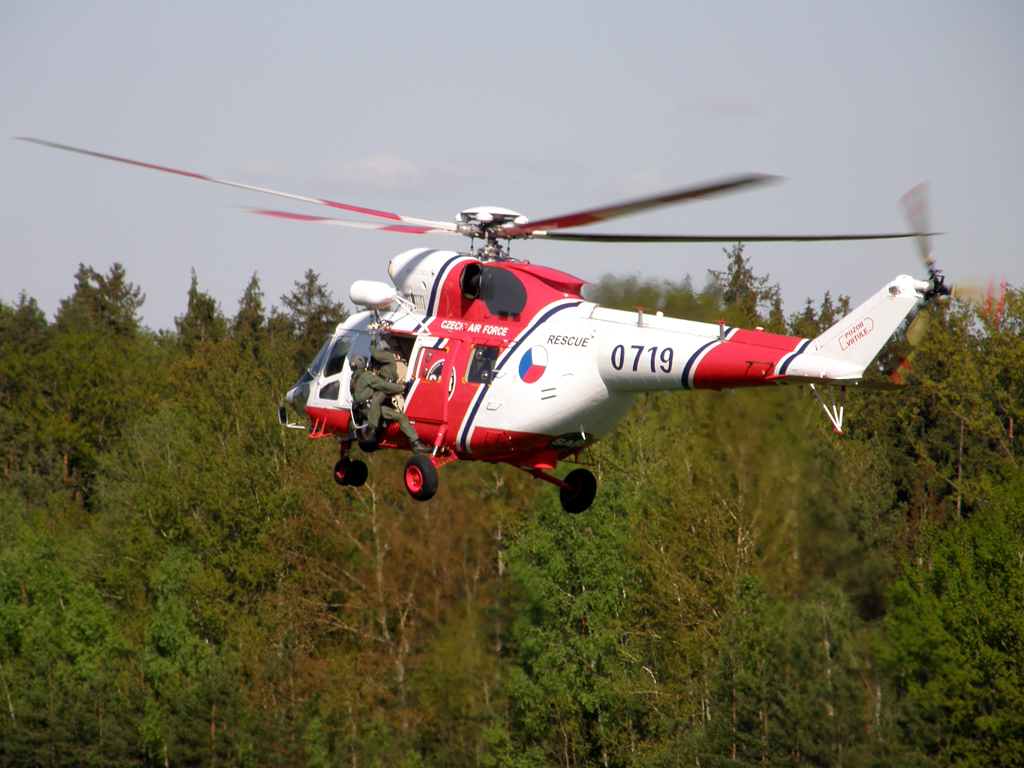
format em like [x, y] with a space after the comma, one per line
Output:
[413, 479]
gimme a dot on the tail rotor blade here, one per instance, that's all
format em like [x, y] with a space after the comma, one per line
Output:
[915, 210]
[915, 334]
[918, 328]
[990, 299]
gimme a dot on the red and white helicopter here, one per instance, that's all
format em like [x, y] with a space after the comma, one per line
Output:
[508, 362]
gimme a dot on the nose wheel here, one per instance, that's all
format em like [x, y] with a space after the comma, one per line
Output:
[348, 472]
[420, 478]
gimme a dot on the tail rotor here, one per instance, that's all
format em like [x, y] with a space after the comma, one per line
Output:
[991, 299]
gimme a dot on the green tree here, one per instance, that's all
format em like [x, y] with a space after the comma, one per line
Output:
[751, 297]
[249, 328]
[24, 458]
[577, 681]
[101, 302]
[953, 433]
[74, 386]
[811, 322]
[202, 322]
[194, 711]
[66, 692]
[313, 315]
[955, 639]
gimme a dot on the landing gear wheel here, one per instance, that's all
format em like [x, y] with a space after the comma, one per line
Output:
[420, 478]
[580, 493]
[357, 474]
[348, 472]
[342, 471]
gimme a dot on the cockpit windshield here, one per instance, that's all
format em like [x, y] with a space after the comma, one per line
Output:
[318, 361]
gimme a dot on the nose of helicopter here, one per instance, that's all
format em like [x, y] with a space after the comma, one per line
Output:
[297, 397]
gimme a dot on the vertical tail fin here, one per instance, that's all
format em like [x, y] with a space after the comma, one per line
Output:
[860, 336]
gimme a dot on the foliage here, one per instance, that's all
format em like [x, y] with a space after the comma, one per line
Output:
[955, 643]
[312, 316]
[181, 582]
[749, 297]
[202, 322]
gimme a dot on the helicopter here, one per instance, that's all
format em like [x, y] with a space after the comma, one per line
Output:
[505, 361]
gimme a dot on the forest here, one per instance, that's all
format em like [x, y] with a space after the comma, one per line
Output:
[182, 582]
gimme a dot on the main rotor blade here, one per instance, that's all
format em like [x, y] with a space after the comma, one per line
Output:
[412, 229]
[314, 200]
[603, 238]
[640, 204]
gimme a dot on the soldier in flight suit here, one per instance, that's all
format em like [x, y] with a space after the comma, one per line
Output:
[376, 388]
[387, 369]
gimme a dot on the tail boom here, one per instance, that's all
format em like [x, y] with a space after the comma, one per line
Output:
[700, 356]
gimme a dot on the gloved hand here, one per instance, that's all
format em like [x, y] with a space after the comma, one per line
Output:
[381, 345]
[405, 391]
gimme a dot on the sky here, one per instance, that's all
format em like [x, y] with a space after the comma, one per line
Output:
[544, 108]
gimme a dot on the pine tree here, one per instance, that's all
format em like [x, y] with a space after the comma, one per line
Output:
[249, 328]
[101, 303]
[313, 315]
[752, 297]
[202, 322]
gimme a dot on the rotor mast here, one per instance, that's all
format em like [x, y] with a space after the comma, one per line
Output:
[490, 223]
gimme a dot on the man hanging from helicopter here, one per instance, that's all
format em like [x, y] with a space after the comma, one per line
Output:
[371, 390]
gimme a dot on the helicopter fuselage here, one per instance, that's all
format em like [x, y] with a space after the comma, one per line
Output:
[508, 362]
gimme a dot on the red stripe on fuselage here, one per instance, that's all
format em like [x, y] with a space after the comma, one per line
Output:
[744, 360]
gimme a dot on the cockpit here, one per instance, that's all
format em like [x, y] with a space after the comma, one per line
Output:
[325, 383]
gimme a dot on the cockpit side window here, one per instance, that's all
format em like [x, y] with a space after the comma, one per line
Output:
[336, 361]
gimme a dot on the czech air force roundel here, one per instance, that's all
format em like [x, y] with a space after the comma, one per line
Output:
[533, 365]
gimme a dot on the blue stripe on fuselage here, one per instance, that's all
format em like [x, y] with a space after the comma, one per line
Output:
[509, 354]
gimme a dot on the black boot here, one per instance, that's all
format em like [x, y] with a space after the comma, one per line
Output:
[371, 435]
[420, 447]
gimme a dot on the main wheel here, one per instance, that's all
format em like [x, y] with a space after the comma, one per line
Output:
[580, 493]
[420, 478]
[348, 472]
[343, 472]
[357, 474]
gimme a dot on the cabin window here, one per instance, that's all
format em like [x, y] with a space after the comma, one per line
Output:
[330, 392]
[481, 365]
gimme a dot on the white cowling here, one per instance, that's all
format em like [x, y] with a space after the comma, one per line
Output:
[372, 294]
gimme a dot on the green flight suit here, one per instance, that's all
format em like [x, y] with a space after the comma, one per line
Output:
[387, 369]
[376, 389]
